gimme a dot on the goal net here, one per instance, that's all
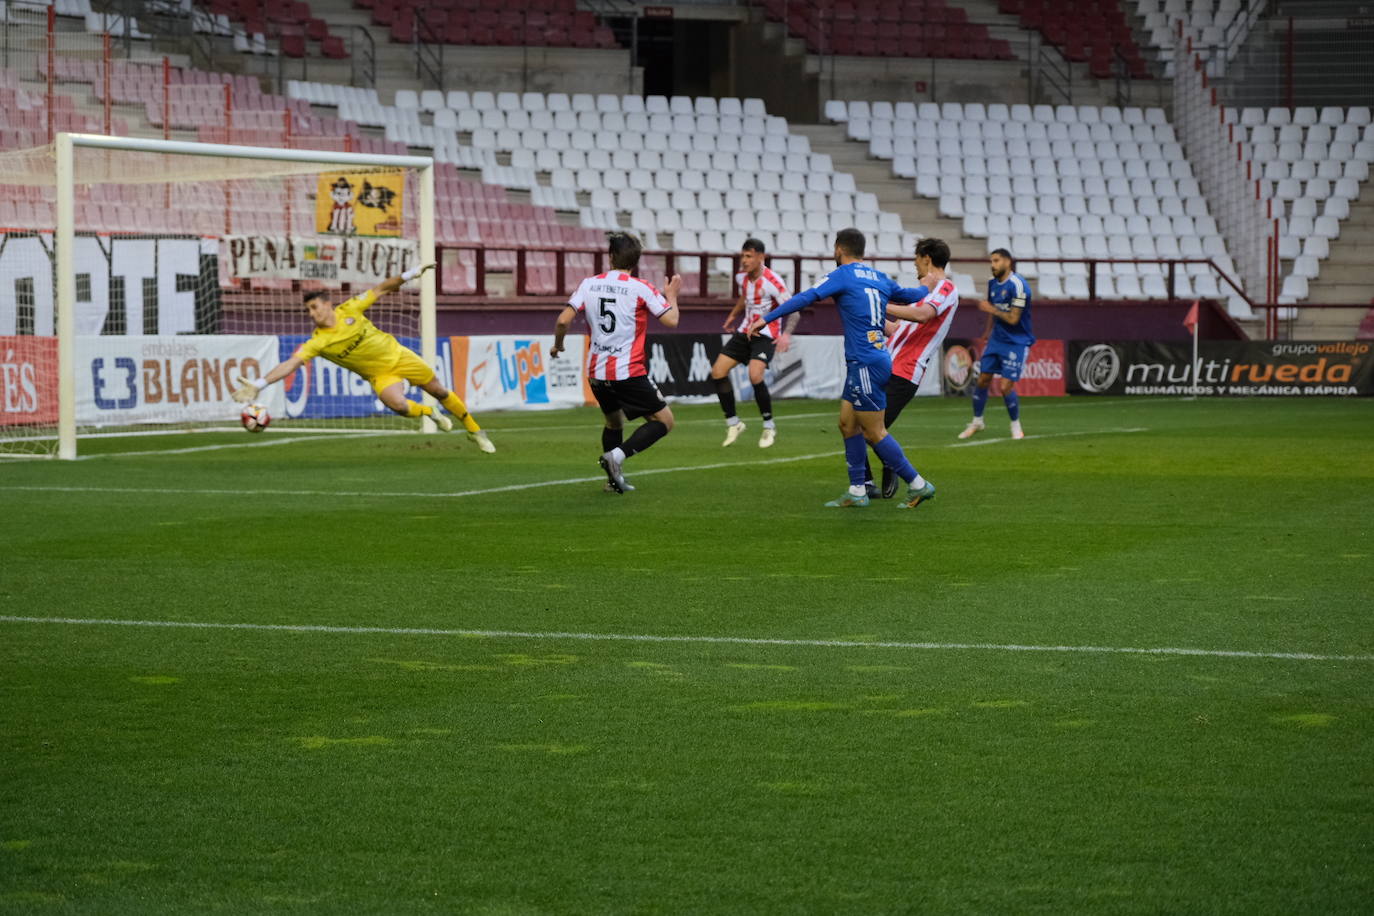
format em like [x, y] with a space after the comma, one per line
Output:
[139, 278]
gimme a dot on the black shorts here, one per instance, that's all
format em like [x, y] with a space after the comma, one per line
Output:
[900, 391]
[742, 348]
[637, 396]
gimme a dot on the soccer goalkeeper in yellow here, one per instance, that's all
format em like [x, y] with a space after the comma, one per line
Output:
[343, 335]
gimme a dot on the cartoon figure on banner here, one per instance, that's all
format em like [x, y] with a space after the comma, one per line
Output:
[380, 197]
[341, 216]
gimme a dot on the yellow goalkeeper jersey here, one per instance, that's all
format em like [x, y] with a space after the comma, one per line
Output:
[354, 342]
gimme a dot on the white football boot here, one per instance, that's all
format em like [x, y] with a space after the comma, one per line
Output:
[975, 426]
[732, 433]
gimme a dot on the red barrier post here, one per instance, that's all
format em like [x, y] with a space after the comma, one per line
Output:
[105, 78]
[52, 75]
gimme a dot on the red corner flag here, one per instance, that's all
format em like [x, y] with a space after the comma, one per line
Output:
[1190, 322]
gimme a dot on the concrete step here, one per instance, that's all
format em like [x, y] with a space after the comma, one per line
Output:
[895, 195]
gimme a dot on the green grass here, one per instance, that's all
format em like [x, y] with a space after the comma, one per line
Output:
[248, 770]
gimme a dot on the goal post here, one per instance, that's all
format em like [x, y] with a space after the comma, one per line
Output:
[137, 276]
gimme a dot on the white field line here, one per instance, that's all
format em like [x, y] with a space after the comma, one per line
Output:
[300, 433]
[516, 486]
[717, 640]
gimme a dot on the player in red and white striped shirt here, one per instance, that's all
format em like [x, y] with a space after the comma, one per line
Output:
[915, 338]
[617, 307]
[760, 291]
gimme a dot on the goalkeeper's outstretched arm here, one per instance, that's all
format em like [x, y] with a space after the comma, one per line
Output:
[250, 388]
[391, 284]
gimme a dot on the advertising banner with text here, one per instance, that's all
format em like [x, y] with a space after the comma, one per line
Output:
[125, 380]
[1042, 376]
[515, 372]
[1223, 368]
[28, 380]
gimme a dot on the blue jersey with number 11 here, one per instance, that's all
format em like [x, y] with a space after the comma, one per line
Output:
[861, 293]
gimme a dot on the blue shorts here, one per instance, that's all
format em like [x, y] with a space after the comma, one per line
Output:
[1006, 360]
[865, 385]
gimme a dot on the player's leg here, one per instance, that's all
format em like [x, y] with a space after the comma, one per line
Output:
[871, 415]
[980, 394]
[735, 351]
[764, 399]
[612, 435]
[639, 397]
[1011, 374]
[855, 456]
[454, 405]
[391, 391]
[900, 391]
[864, 392]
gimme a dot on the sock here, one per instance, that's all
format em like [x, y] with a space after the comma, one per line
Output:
[454, 405]
[765, 402]
[610, 438]
[418, 410]
[726, 393]
[856, 458]
[980, 400]
[644, 437]
[891, 452]
[1013, 402]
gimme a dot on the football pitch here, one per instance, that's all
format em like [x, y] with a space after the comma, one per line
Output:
[1124, 665]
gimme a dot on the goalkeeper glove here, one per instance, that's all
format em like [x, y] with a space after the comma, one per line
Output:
[415, 272]
[248, 389]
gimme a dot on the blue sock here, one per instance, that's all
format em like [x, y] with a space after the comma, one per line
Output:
[1013, 403]
[980, 400]
[890, 450]
[856, 457]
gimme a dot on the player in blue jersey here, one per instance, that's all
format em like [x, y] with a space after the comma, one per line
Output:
[1009, 338]
[861, 294]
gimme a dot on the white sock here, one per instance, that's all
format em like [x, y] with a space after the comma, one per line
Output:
[618, 453]
[768, 424]
[919, 481]
[859, 490]
[732, 421]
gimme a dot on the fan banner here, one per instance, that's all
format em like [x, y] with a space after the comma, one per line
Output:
[143, 379]
[1042, 376]
[356, 261]
[1224, 368]
[371, 203]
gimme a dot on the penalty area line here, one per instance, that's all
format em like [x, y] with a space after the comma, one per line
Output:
[714, 640]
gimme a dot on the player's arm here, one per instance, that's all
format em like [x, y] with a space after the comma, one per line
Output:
[734, 314]
[798, 302]
[785, 338]
[670, 317]
[1011, 316]
[560, 329]
[249, 388]
[909, 312]
[391, 284]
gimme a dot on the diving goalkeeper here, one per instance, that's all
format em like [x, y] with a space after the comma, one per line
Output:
[344, 336]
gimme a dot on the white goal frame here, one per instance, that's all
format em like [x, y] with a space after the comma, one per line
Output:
[65, 240]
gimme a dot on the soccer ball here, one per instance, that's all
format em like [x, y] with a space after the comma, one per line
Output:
[255, 418]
